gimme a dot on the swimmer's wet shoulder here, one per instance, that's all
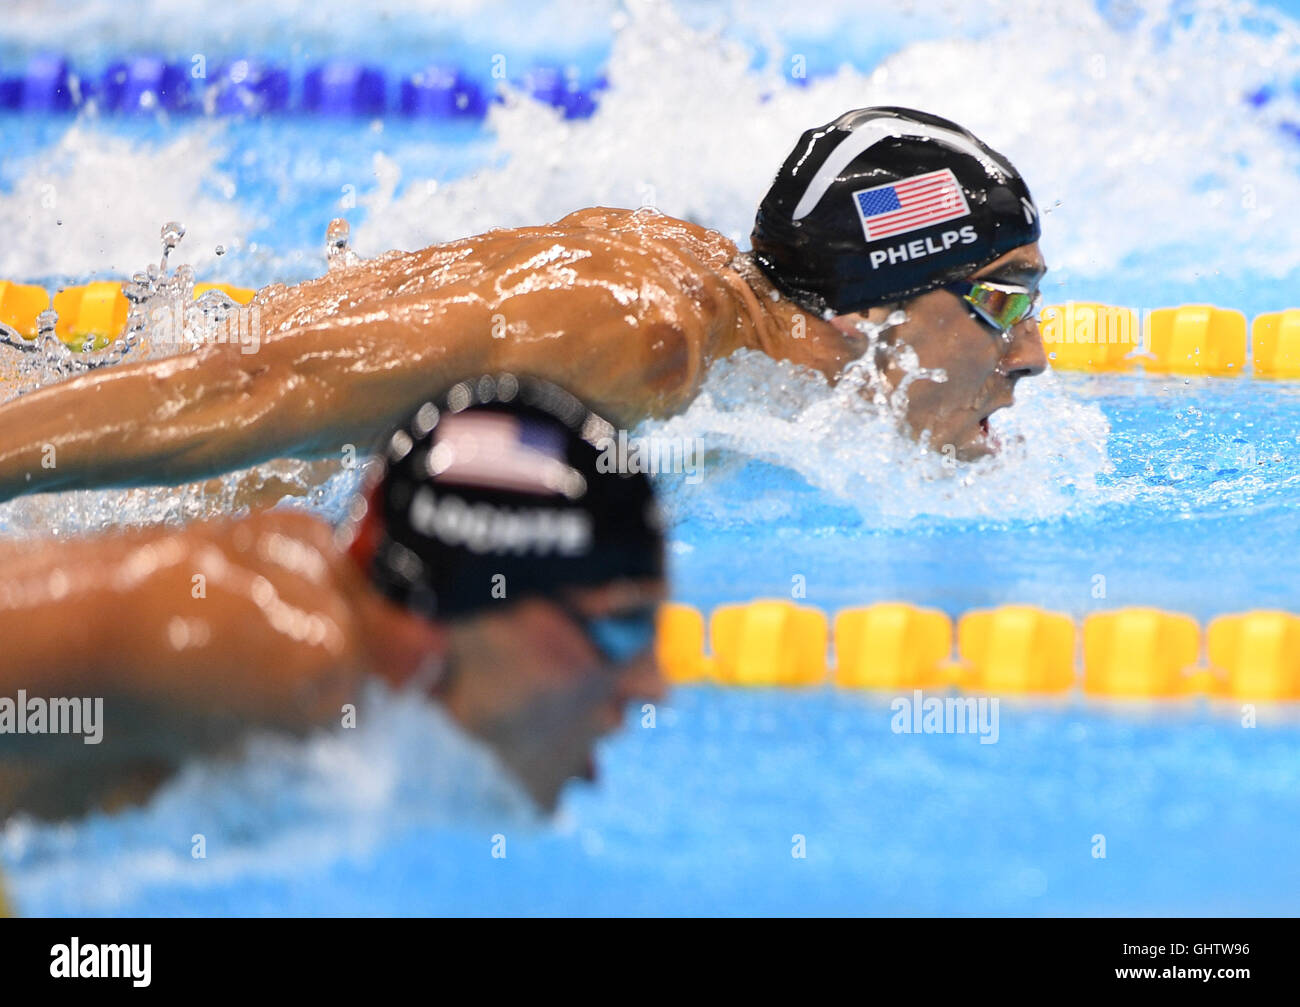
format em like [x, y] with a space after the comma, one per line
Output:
[708, 298]
[627, 307]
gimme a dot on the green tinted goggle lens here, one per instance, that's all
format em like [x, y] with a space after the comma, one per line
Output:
[1003, 307]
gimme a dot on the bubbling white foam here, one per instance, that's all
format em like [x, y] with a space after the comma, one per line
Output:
[1053, 447]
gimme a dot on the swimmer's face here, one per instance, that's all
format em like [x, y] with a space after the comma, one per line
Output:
[551, 693]
[982, 365]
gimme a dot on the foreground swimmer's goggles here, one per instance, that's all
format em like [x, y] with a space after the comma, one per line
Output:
[1002, 306]
[620, 636]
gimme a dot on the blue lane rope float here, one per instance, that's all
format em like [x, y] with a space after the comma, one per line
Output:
[48, 83]
[144, 84]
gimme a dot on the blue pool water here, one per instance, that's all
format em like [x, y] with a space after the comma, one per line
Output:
[1163, 187]
[701, 814]
[1200, 483]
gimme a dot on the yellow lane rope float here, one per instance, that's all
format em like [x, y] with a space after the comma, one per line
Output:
[1129, 653]
[1192, 339]
[87, 311]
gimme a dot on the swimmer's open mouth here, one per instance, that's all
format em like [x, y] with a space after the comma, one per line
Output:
[987, 437]
[986, 433]
[984, 421]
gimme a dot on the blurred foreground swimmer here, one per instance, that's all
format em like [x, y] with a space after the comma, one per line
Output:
[493, 563]
[888, 234]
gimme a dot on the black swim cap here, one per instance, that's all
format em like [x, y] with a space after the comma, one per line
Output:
[886, 203]
[496, 491]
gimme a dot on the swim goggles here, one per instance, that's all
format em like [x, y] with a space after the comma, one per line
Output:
[1002, 306]
[620, 636]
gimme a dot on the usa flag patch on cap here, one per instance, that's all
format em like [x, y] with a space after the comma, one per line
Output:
[910, 204]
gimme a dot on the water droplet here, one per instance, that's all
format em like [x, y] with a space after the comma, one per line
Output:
[172, 232]
[336, 242]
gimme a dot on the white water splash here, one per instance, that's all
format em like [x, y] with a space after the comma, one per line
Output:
[281, 808]
[380, 30]
[652, 142]
[325, 488]
[163, 319]
[94, 202]
[1053, 447]
[1139, 146]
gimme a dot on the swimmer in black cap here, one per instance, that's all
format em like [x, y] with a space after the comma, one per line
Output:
[887, 233]
[887, 210]
[494, 563]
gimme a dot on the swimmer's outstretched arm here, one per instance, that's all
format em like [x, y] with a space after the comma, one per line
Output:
[306, 392]
[190, 637]
[315, 389]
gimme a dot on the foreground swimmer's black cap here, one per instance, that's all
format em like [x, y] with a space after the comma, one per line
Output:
[884, 204]
[497, 491]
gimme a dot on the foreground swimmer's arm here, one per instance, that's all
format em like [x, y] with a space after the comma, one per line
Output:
[189, 638]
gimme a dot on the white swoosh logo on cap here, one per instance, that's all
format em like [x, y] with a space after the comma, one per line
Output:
[868, 135]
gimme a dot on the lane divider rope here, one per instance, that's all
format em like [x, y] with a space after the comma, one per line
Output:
[146, 84]
[1127, 653]
[1192, 339]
